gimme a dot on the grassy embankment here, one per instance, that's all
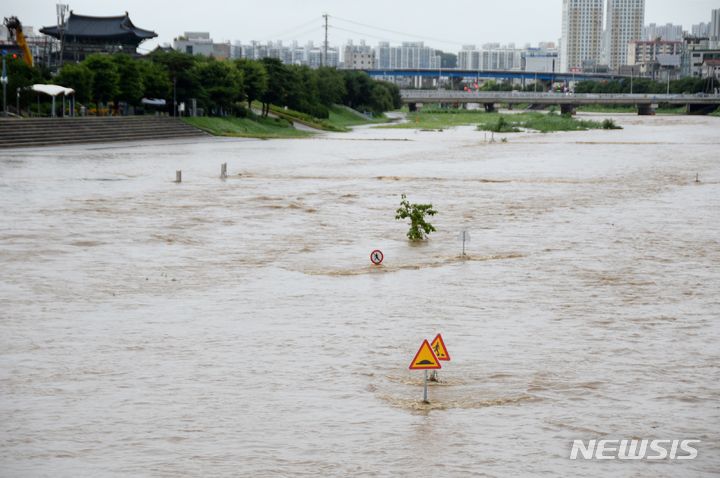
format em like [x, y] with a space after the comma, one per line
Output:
[499, 122]
[341, 118]
[264, 128]
[345, 117]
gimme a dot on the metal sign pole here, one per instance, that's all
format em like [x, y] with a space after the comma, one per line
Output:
[463, 243]
[425, 389]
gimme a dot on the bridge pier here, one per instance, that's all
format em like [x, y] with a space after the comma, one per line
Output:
[489, 107]
[646, 110]
[695, 109]
[567, 109]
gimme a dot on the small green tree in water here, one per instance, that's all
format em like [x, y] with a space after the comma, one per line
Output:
[419, 227]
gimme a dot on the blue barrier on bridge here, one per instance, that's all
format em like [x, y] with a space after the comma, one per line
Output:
[493, 74]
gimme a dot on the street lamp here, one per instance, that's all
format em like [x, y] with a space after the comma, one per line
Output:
[4, 81]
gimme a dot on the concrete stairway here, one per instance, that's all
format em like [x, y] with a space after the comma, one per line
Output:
[58, 131]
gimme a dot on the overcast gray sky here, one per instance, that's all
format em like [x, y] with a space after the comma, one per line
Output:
[444, 25]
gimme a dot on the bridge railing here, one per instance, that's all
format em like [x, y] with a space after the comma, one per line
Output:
[499, 95]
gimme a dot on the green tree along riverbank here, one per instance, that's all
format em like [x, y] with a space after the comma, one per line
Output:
[112, 84]
[688, 85]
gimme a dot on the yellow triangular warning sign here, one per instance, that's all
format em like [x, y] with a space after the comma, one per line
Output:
[438, 346]
[425, 358]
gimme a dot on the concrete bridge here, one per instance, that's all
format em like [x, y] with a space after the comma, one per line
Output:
[646, 103]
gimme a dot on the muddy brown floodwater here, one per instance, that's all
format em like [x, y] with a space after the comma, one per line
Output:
[238, 328]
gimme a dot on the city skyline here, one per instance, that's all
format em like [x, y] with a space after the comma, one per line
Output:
[401, 21]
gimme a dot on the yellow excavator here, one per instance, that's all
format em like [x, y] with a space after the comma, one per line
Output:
[15, 28]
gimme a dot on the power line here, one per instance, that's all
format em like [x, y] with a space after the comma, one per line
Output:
[420, 37]
[295, 35]
[291, 31]
[367, 35]
[362, 34]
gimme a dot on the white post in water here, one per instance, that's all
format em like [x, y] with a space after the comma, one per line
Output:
[178, 176]
[223, 171]
[425, 388]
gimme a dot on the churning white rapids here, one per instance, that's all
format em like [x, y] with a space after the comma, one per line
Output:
[238, 328]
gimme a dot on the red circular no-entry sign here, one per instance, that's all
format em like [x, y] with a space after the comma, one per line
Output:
[376, 257]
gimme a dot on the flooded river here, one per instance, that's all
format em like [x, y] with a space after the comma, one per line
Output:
[238, 328]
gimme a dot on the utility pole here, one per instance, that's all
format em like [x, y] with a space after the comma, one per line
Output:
[324, 60]
[61, 12]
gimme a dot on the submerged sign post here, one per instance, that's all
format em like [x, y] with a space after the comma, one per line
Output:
[376, 257]
[464, 236]
[441, 352]
[425, 359]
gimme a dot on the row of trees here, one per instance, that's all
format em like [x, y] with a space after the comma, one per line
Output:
[689, 85]
[221, 87]
[639, 85]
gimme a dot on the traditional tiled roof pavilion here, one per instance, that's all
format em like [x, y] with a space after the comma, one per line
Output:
[84, 35]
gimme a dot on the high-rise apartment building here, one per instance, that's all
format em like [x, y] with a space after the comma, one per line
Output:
[407, 55]
[582, 22]
[310, 55]
[490, 57]
[667, 32]
[623, 24]
[700, 30]
[469, 58]
[714, 32]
